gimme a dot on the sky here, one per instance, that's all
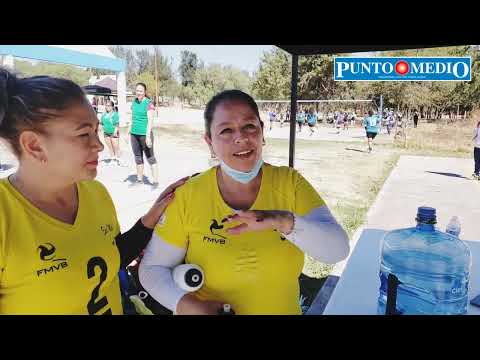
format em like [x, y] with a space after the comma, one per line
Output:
[244, 57]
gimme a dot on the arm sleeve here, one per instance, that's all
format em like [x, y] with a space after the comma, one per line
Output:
[131, 243]
[167, 249]
[319, 235]
[155, 272]
[316, 231]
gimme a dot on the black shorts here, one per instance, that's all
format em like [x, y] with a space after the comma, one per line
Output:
[110, 135]
[311, 124]
[140, 147]
[371, 135]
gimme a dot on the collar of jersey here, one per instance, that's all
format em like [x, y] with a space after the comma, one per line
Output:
[43, 215]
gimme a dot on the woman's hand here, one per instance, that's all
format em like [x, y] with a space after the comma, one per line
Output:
[258, 220]
[148, 141]
[190, 305]
[151, 218]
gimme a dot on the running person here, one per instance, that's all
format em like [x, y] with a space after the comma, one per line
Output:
[109, 122]
[252, 256]
[60, 242]
[272, 116]
[312, 121]
[339, 123]
[300, 120]
[141, 134]
[345, 121]
[371, 127]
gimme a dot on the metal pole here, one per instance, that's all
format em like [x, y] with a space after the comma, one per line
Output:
[381, 106]
[293, 111]
[156, 78]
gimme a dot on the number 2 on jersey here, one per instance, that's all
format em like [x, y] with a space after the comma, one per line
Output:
[93, 305]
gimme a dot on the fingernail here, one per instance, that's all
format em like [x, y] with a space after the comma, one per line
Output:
[224, 219]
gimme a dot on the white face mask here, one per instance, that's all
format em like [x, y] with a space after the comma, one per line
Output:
[240, 176]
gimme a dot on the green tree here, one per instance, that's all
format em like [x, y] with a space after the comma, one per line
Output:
[188, 66]
[125, 53]
[215, 78]
[272, 80]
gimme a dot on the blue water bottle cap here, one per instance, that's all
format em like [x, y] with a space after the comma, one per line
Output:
[427, 214]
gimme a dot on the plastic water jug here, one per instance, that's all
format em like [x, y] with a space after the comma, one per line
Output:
[424, 271]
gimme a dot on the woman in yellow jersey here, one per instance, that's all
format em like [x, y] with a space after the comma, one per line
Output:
[246, 223]
[60, 242]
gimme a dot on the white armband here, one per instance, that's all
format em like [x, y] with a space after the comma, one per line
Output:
[319, 235]
[155, 272]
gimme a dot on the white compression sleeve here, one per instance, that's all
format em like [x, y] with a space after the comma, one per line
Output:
[155, 271]
[319, 235]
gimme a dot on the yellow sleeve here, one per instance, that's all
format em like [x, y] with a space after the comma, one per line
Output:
[306, 197]
[172, 225]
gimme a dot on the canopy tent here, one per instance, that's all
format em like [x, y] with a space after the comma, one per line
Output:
[296, 50]
[108, 83]
[91, 56]
[97, 90]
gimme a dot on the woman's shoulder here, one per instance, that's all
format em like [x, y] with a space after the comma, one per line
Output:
[199, 180]
[282, 172]
[198, 186]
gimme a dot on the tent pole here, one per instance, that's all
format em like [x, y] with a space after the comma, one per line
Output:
[293, 111]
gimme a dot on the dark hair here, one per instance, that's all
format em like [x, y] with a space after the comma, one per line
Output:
[370, 112]
[28, 103]
[227, 96]
[143, 85]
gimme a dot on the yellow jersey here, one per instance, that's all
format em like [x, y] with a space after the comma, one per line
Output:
[51, 267]
[255, 272]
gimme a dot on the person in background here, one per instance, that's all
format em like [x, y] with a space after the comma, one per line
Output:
[476, 151]
[371, 124]
[272, 117]
[415, 118]
[300, 119]
[111, 132]
[312, 121]
[345, 121]
[94, 104]
[141, 134]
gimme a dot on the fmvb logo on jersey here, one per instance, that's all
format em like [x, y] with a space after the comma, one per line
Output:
[47, 253]
[215, 226]
[403, 69]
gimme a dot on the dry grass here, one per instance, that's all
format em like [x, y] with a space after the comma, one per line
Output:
[441, 137]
